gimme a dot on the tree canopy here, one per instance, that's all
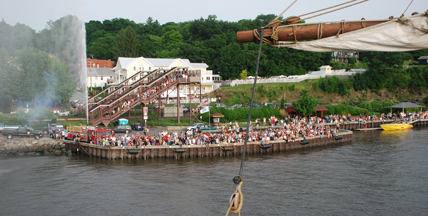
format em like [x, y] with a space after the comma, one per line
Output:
[306, 103]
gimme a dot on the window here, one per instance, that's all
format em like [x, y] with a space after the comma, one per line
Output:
[208, 78]
[101, 77]
[135, 68]
[150, 68]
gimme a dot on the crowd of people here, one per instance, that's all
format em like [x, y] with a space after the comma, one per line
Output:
[288, 129]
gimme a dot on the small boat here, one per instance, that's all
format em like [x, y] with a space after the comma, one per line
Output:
[396, 126]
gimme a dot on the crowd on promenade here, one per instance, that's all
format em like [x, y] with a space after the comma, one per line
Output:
[288, 129]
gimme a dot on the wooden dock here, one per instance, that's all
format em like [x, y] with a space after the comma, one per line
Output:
[199, 151]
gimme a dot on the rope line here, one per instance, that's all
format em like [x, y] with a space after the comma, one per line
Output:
[258, 36]
[251, 105]
[335, 10]
[327, 8]
[285, 10]
[319, 31]
[402, 15]
[406, 22]
[237, 197]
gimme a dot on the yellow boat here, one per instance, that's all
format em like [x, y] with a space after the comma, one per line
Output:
[396, 126]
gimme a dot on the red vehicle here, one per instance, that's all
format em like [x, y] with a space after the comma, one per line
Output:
[55, 110]
[88, 133]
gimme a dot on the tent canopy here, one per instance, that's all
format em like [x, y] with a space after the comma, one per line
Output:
[406, 105]
[321, 108]
[217, 115]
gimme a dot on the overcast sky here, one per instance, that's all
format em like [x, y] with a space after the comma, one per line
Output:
[36, 13]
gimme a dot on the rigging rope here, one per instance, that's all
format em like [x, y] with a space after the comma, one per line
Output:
[328, 8]
[335, 10]
[402, 15]
[285, 10]
[238, 180]
[406, 22]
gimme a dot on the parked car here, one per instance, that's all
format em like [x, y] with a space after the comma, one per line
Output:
[220, 105]
[413, 63]
[122, 129]
[73, 103]
[137, 126]
[185, 108]
[204, 127]
[22, 131]
[53, 127]
[271, 105]
[286, 105]
[194, 126]
[256, 105]
[63, 113]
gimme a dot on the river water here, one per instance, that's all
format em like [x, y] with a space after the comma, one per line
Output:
[377, 173]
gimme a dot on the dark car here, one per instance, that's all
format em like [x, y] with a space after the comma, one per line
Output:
[137, 126]
[122, 129]
[413, 63]
[185, 108]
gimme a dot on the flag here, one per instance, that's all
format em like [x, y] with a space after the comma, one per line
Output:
[205, 109]
[205, 103]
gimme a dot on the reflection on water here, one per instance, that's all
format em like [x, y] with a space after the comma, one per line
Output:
[376, 174]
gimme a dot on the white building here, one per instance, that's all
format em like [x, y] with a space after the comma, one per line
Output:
[126, 67]
[98, 77]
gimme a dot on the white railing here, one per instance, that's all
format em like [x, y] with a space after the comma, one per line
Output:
[294, 79]
[194, 100]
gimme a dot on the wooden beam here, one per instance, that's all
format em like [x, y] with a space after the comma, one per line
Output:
[308, 32]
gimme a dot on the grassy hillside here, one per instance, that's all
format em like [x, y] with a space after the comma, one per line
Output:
[273, 92]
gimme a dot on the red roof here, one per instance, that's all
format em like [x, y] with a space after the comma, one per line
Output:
[321, 108]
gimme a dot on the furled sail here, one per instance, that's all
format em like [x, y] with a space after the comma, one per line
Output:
[395, 35]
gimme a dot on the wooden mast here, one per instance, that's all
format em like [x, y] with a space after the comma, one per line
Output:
[309, 32]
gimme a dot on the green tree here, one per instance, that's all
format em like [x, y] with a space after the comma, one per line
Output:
[102, 48]
[306, 103]
[243, 74]
[172, 37]
[126, 44]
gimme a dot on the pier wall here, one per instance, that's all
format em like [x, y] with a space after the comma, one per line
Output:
[199, 151]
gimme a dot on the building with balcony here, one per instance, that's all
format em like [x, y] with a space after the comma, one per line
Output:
[126, 67]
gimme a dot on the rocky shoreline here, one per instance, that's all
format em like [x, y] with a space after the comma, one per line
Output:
[32, 147]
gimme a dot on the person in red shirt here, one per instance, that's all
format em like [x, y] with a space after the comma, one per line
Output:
[166, 139]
